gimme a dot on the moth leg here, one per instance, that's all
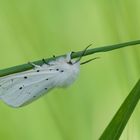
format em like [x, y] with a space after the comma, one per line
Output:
[34, 65]
[44, 61]
[71, 54]
[53, 57]
[68, 56]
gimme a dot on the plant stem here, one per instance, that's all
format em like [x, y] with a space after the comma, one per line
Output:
[27, 66]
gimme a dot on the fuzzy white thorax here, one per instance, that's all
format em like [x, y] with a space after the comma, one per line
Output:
[69, 70]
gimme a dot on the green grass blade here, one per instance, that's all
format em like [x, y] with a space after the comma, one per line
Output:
[119, 121]
[106, 48]
[27, 66]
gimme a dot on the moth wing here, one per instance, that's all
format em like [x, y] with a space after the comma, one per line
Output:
[20, 89]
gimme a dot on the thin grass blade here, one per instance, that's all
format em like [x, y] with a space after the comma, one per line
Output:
[119, 121]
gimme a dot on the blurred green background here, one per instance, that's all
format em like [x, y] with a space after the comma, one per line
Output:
[36, 29]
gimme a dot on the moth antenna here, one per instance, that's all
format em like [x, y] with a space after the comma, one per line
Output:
[89, 60]
[84, 51]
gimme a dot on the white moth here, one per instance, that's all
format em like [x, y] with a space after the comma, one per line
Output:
[22, 88]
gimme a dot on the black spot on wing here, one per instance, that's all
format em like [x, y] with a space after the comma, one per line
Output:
[20, 88]
[25, 77]
[38, 71]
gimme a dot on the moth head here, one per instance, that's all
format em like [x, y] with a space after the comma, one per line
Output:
[72, 62]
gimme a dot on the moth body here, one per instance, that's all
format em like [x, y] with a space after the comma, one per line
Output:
[22, 88]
